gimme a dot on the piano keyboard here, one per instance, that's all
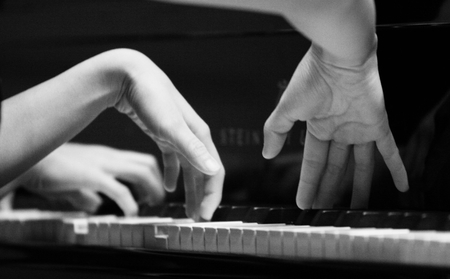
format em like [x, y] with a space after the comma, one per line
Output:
[410, 238]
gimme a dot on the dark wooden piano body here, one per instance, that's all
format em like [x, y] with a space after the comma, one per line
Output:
[231, 66]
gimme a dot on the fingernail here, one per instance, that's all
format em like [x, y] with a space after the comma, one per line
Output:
[212, 165]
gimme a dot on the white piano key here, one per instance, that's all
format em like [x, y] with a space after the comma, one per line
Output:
[93, 235]
[275, 242]
[439, 250]
[249, 236]
[346, 240]
[276, 239]
[302, 239]
[161, 242]
[173, 233]
[211, 243]
[355, 244]
[414, 248]
[103, 233]
[361, 242]
[236, 236]
[114, 234]
[289, 249]
[223, 240]
[390, 246]
[198, 238]
[236, 240]
[152, 230]
[186, 238]
[131, 229]
[318, 241]
[199, 231]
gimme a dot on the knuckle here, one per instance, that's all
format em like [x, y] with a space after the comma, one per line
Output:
[197, 148]
[334, 169]
[202, 130]
[121, 192]
[151, 160]
[313, 164]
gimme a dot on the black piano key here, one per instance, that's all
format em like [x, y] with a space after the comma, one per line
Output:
[348, 219]
[432, 221]
[221, 213]
[306, 217]
[174, 210]
[256, 214]
[326, 217]
[282, 215]
[146, 210]
[237, 213]
[391, 220]
[446, 223]
[409, 220]
[370, 219]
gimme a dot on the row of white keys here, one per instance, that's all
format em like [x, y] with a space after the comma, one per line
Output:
[262, 240]
[129, 232]
[191, 237]
[438, 250]
[366, 244]
[108, 230]
[32, 225]
[424, 248]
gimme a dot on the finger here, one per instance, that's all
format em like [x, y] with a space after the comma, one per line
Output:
[276, 130]
[209, 187]
[213, 179]
[337, 161]
[189, 189]
[200, 194]
[391, 156]
[164, 119]
[84, 199]
[142, 174]
[314, 159]
[362, 179]
[194, 150]
[119, 193]
[171, 170]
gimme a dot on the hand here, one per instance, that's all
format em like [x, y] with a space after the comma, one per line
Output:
[154, 104]
[345, 114]
[77, 173]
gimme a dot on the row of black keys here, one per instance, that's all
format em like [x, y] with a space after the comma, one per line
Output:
[413, 220]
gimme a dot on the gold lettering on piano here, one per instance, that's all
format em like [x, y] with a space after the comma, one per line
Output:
[244, 137]
[233, 136]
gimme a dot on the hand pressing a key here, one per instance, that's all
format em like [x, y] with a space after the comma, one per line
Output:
[77, 173]
[39, 120]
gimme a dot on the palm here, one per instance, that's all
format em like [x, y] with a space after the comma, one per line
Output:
[345, 114]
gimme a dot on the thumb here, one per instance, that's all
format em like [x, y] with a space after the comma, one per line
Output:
[276, 130]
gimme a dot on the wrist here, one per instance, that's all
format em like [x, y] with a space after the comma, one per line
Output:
[356, 61]
[122, 69]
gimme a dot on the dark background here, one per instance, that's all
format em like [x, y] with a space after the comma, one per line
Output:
[231, 66]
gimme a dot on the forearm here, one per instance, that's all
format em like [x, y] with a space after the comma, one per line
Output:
[42, 118]
[345, 29]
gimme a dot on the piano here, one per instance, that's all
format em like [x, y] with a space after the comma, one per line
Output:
[225, 57]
